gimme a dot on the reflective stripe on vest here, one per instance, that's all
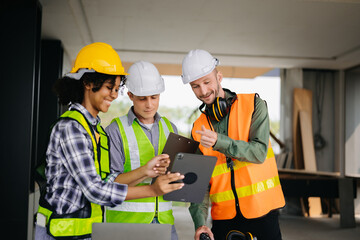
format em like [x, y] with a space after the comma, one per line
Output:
[143, 207]
[81, 227]
[138, 150]
[257, 185]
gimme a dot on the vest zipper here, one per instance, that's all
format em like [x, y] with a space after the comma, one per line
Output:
[99, 156]
[230, 165]
[157, 207]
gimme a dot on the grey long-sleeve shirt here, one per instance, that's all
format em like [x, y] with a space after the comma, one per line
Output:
[116, 146]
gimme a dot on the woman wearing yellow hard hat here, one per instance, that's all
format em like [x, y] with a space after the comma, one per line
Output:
[77, 177]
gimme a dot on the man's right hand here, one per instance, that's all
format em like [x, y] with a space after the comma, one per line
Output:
[208, 137]
[203, 229]
[157, 165]
[162, 184]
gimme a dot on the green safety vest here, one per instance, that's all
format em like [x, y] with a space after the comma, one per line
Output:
[72, 227]
[138, 150]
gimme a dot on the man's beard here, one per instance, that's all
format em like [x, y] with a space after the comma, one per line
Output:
[216, 94]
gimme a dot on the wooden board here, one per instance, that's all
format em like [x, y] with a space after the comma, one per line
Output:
[307, 141]
[289, 160]
[280, 160]
[302, 101]
[308, 149]
[299, 172]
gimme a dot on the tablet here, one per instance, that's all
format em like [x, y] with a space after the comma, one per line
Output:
[197, 170]
[176, 143]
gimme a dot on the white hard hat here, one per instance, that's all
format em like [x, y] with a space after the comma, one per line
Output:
[144, 79]
[196, 64]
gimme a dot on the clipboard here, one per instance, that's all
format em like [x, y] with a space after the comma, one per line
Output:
[197, 170]
[176, 143]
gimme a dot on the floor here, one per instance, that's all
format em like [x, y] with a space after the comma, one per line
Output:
[292, 227]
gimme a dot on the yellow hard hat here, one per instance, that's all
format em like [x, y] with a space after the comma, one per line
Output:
[100, 57]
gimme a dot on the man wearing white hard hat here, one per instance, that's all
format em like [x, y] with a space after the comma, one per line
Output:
[244, 190]
[135, 139]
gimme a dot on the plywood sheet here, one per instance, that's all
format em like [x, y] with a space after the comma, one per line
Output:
[307, 141]
[289, 160]
[280, 160]
[303, 148]
[302, 101]
[309, 158]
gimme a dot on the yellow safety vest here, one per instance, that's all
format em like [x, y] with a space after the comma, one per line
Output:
[138, 150]
[73, 227]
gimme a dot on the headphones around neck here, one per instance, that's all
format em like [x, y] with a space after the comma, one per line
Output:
[220, 107]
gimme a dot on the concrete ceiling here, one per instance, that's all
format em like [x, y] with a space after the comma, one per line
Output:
[262, 34]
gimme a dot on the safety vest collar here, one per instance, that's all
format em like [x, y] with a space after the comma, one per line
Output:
[89, 117]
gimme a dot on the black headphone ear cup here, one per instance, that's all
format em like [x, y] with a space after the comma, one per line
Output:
[224, 107]
[218, 108]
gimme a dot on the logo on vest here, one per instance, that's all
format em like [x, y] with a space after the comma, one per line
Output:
[260, 187]
[270, 183]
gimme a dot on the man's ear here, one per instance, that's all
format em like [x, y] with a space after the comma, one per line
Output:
[219, 76]
[131, 96]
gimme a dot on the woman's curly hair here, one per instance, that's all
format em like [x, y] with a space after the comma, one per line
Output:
[70, 90]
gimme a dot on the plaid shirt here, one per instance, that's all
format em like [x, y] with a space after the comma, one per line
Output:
[72, 179]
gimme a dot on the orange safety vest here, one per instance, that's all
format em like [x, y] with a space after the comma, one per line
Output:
[257, 186]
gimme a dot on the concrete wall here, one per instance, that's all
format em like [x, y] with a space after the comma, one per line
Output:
[321, 83]
[290, 79]
[352, 120]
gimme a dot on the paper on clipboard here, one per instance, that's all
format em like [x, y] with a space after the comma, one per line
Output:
[176, 143]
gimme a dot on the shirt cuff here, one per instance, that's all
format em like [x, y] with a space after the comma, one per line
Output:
[120, 191]
[223, 142]
[198, 222]
[111, 177]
